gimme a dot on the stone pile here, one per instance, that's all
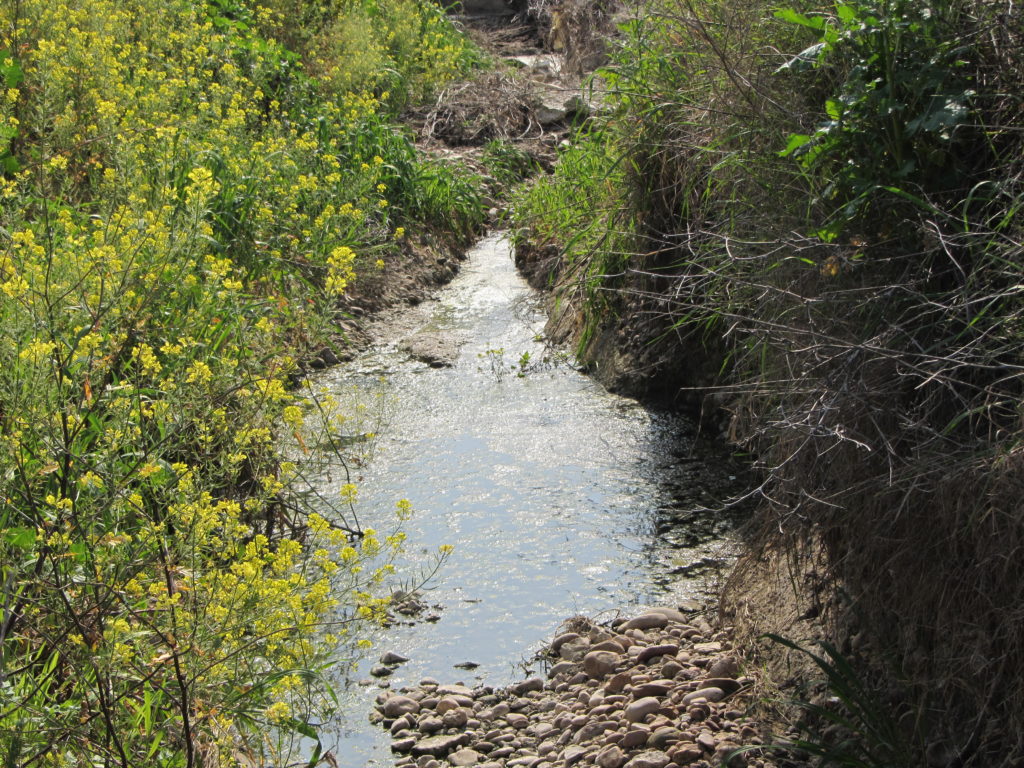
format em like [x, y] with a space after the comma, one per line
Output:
[660, 690]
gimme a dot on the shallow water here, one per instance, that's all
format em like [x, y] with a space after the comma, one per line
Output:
[559, 498]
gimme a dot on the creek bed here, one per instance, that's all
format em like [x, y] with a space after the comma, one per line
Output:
[559, 498]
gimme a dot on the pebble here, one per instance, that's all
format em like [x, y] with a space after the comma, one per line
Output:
[663, 737]
[652, 758]
[396, 706]
[635, 738]
[610, 757]
[455, 718]
[430, 724]
[533, 684]
[464, 757]
[393, 658]
[708, 694]
[599, 664]
[659, 691]
[517, 720]
[558, 642]
[641, 708]
[686, 752]
[653, 688]
[653, 651]
[646, 621]
[439, 746]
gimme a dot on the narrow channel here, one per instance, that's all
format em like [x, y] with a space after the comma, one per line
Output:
[559, 498]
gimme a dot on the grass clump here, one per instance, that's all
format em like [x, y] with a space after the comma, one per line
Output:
[183, 206]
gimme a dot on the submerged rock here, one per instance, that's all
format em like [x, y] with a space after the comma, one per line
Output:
[437, 349]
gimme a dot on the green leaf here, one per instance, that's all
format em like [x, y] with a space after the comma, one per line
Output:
[22, 538]
[833, 109]
[12, 73]
[796, 140]
[793, 17]
[846, 14]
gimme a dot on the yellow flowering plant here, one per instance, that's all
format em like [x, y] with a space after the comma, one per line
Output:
[182, 206]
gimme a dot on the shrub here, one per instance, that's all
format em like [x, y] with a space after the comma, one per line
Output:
[183, 206]
[828, 197]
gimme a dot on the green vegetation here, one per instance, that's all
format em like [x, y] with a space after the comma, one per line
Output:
[822, 202]
[187, 188]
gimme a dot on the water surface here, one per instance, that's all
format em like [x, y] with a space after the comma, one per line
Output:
[559, 498]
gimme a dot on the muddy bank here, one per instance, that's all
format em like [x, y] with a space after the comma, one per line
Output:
[663, 689]
[633, 348]
[424, 264]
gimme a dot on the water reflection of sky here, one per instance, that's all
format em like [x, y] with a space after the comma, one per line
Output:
[548, 488]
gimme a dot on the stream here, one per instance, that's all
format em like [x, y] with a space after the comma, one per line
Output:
[559, 498]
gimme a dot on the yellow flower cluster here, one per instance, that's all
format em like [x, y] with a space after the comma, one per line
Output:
[182, 207]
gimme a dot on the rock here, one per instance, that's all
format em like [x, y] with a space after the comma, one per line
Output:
[653, 688]
[618, 683]
[706, 741]
[610, 757]
[608, 645]
[533, 684]
[671, 614]
[635, 738]
[435, 348]
[722, 753]
[641, 708]
[686, 752]
[727, 684]
[723, 666]
[708, 694]
[573, 754]
[577, 106]
[653, 651]
[464, 757]
[439, 746]
[646, 621]
[652, 758]
[455, 718]
[467, 665]
[446, 704]
[393, 658]
[664, 737]
[402, 723]
[430, 724]
[396, 706]
[381, 671]
[712, 647]
[574, 650]
[517, 721]
[598, 664]
[403, 745]
[455, 690]
[561, 668]
[551, 108]
[588, 732]
[670, 669]
[558, 642]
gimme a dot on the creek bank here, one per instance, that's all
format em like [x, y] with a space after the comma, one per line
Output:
[663, 689]
[378, 299]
